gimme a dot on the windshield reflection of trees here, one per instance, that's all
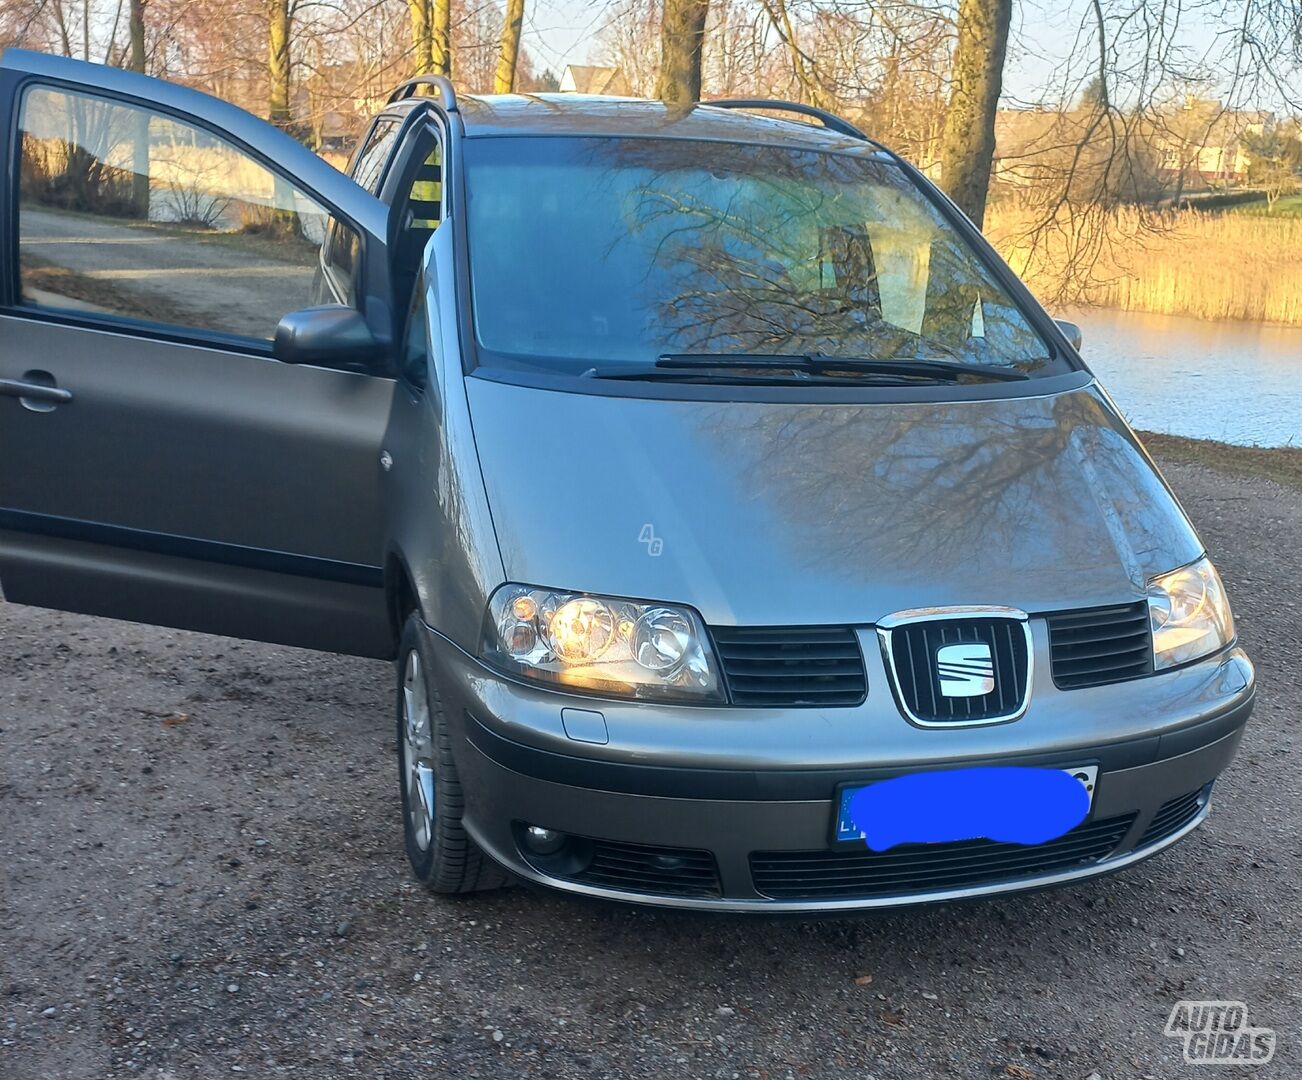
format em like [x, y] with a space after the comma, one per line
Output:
[755, 249]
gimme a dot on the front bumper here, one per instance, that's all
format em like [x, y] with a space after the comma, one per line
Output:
[731, 809]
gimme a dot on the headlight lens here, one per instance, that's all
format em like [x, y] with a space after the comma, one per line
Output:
[624, 648]
[1189, 613]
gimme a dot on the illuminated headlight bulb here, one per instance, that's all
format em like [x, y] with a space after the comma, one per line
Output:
[661, 639]
[581, 630]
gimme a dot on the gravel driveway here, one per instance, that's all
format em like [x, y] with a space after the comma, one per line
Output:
[203, 876]
[198, 278]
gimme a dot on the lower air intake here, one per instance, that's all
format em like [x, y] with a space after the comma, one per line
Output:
[855, 872]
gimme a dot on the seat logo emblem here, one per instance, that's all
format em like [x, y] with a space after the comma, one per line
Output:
[965, 669]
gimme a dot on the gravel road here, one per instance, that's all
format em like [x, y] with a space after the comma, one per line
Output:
[203, 877]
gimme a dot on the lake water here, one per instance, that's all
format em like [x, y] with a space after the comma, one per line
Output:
[1231, 381]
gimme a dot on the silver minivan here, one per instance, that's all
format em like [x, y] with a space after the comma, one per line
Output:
[745, 535]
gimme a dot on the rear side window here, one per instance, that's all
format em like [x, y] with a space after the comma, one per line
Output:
[130, 213]
[369, 166]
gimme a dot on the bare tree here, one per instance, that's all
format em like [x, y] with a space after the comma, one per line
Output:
[968, 147]
[682, 39]
[441, 41]
[802, 63]
[629, 39]
[1275, 161]
[509, 50]
[422, 36]
[136, 29]
[280, 24]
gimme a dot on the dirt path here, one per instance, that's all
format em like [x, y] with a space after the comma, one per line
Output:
[207, 281]
[226, 894]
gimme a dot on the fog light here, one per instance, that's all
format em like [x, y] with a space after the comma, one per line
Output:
[543, 841]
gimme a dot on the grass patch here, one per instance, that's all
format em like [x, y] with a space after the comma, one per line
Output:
[1288, 206]
[1281, 464]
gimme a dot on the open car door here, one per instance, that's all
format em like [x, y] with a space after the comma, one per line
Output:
[158, 462]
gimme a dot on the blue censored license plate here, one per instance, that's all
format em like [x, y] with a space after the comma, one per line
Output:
[949, 806]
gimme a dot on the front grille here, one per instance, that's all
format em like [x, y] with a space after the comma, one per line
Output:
[642, 868]
[1100, 645]
[1173, 816]
[858, 873]
[913, 653]
[791, 665]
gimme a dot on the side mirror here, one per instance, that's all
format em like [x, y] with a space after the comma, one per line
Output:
[332, 335]
[1071, 331]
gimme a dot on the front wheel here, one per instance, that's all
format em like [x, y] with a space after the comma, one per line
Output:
[441, 853]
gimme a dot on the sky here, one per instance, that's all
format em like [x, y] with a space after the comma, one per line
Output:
[560, 32]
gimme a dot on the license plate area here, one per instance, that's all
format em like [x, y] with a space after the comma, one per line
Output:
[844, 831]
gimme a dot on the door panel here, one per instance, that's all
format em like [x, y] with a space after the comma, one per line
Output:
[156, 462]
[236, 468]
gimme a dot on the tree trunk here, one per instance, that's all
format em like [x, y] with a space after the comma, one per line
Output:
[682, 35]
[509, 49]
[968, 147]
[441, 45]
[140, 134]
[136, 27]
[279, 24]
[422, 37]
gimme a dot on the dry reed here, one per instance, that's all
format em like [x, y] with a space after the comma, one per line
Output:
[1209, 265]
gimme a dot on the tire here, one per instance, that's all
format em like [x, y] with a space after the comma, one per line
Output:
[441, 853]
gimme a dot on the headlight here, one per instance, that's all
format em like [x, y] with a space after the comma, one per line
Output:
[1189, 613]
[625, 648]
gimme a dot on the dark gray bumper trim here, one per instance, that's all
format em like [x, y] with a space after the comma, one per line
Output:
[822, 906]
[783, 785]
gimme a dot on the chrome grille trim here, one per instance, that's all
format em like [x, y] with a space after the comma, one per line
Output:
[889, 626]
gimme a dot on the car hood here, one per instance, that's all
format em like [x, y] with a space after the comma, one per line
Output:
[760, 513]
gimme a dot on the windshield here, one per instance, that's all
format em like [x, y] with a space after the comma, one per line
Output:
[613, 252]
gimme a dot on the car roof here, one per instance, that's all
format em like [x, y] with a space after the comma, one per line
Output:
[589, 114]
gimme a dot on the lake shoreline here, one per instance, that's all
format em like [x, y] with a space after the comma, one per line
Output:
[1086, 307]
[1283, 464]
[1230, 382]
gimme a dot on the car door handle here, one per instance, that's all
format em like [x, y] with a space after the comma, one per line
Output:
[35, 391]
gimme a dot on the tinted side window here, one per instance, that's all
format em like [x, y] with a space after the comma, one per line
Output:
[127, 212]
[370, 162]
[415, 351]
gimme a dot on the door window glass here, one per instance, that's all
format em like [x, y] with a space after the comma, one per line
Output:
[128, 212]
[370, 162]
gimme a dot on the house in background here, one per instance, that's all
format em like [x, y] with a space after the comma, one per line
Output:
[1198, 145]
[587, 79]
[1203, 144]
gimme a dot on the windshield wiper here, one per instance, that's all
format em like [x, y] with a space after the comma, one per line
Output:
[821, 363]
[748, 375]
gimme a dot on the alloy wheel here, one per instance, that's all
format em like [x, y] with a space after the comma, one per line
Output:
[418, 752]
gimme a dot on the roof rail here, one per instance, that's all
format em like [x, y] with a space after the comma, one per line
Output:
[829, 120]
[442, 90]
